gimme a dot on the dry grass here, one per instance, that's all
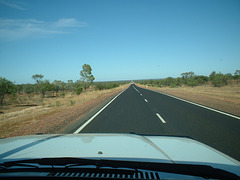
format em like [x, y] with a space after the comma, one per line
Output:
[23, 120]
[52, 115]
[226, 98]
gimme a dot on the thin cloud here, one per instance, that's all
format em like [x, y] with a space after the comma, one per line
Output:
[62, 23]
[12, 29]
[12, 4]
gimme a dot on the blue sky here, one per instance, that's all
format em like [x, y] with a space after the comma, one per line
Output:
[120, 39]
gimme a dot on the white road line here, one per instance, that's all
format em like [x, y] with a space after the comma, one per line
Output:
[218, 111]
[88, 121]
[135, 89]
[158, 115]
[146, 100]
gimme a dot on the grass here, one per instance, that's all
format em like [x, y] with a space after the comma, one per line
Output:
[16, 116]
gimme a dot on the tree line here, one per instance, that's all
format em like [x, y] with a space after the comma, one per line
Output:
[190, 79]
[56, 88]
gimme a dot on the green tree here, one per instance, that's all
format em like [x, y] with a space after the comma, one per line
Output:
[78, 89]
[37, 77]
[70, 85]
[219, 80]
[86, 75]
[187, 78]
[201, 79]
[99, 86]
[192, 82]
[58, 86]
[168, 81]
[187, 75]
[237, 72]
[19, 88]
[237, 75]
[28, 89]
[212, 75]
[6, 87]
[44, 87]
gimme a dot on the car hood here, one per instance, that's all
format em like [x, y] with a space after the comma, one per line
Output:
[115, 146]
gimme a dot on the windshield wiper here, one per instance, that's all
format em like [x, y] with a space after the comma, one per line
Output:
[21, 163]
[185, 169]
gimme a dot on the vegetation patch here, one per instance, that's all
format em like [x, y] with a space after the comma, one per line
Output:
[46, 107]
[219, 91]
[192, 80]
[56, 114]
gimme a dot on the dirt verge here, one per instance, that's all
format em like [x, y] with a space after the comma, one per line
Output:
[51, 120]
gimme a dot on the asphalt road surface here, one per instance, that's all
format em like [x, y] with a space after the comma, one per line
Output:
[141, 111]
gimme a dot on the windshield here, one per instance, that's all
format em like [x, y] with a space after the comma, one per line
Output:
[168, 71]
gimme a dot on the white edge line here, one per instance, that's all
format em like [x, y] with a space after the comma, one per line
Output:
[158, 115]
[230, 115]
[88, 121]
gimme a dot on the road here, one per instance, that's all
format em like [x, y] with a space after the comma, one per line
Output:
[143, 111]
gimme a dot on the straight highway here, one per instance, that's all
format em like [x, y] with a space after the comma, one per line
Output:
[141, 111]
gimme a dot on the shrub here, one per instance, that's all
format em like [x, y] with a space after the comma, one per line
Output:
[219, 80]
[110, 85]
[168, 81]
[201, 79]
[99, 86]
[192, 82]
[78, 90]
[173, 85]
[6, 87]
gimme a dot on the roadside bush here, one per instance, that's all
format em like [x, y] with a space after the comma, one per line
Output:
[192, 82]
[78, 90]
[160, 84]
[173, 85]
[6, 87]
[236, 77]
[111, 85]
[45, 86]
[102, 86]
[219, 80]
[168, 81]
[212, 75]
[99, 86]
[201, 79]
